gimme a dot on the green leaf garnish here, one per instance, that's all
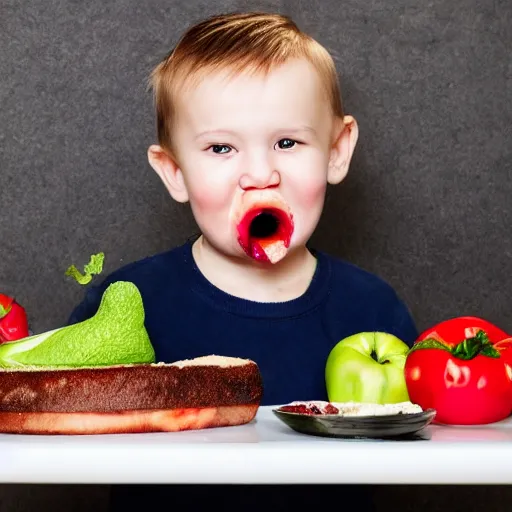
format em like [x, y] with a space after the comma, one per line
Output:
[95, 266]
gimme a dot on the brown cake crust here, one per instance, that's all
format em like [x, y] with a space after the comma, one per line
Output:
[129, 388]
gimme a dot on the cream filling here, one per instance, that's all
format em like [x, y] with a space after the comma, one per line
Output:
[211, 360]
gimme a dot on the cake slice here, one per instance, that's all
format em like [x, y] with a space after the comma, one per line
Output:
[206, 392]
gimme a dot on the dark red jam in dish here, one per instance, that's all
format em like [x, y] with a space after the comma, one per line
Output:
[330, 409]
[311, 409]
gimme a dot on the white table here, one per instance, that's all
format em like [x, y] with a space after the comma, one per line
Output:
[265, 451]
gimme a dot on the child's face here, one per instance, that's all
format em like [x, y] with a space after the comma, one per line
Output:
[273, 136]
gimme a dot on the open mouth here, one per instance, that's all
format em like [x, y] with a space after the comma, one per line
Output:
[265, 233]
[264, 225]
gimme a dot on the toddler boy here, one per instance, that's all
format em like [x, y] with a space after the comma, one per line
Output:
[251, 130]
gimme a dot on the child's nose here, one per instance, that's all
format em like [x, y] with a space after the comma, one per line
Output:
[259, 173]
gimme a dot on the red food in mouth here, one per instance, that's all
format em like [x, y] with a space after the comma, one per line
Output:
[262, 229]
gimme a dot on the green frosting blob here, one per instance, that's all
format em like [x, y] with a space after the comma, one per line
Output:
[114, 335]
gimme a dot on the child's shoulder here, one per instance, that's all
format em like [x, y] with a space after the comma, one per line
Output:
[347, 276]
[163, 265]
[369, 299]
[162, 270]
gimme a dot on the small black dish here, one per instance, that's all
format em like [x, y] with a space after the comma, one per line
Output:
[393, 426]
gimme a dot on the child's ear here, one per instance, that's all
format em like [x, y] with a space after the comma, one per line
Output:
[345, 139]
[169, 171]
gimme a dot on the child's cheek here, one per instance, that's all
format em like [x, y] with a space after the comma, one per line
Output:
[209, 198]
[308, 203]
[312, 193]
[306, 180]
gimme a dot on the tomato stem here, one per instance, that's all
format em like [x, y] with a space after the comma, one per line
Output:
[466, 349]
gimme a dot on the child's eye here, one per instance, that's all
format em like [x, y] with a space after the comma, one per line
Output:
[220, 149]
[286, 143]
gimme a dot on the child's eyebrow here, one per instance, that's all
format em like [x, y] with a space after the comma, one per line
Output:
[214, 132]
[299, 129]
[289, 131]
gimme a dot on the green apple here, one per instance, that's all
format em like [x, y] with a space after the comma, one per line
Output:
[367, 367]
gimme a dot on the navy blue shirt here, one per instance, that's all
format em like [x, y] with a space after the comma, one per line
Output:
[187, 317]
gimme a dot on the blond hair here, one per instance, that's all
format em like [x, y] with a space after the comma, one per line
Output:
[255, 42]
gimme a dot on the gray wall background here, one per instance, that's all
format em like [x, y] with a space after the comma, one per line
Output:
[425, 205]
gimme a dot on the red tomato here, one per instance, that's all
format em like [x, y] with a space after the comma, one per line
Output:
[13, 320]
[467, 379]
[457, 329]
